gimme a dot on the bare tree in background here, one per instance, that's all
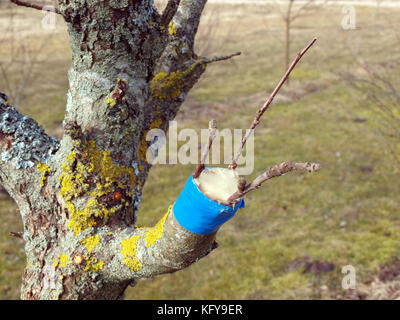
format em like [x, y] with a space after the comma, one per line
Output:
[289, 11]
[379, 85]
[20, 58]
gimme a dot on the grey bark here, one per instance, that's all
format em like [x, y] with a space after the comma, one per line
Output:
[78, 197]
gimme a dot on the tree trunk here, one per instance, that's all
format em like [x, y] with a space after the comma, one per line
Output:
[131, 70]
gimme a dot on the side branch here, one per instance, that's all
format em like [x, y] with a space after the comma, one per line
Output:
[274, 171]
[221, 58]
[169, 12]
[264, 108]
[212, 132]
[23, 144]
[32, 5]
[187, 19]
[146, 252]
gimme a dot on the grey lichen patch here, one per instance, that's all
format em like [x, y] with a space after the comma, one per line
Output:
[30, 143]
[119, 4]
[146, 12]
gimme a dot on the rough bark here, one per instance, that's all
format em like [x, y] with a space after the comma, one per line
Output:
[78, 198]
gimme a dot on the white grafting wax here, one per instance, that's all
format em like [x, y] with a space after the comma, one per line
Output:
[218, 183]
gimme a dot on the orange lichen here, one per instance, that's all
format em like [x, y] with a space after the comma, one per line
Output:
[117, 196]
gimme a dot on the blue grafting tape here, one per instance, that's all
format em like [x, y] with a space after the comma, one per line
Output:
[199, 214]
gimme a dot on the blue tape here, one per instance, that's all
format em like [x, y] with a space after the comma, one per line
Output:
[199, 214]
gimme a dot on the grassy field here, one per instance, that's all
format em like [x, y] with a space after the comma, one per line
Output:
[347, 214]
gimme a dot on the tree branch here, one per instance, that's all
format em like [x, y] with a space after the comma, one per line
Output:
[187, 19]
[31, 5]
[169, 12]
[221, 58]
[24, 144]
[264, 108]
[16, 234]
[212, 128]
[272, 172]
[164, 248]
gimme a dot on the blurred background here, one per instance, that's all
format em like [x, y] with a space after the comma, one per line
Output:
[341, 108]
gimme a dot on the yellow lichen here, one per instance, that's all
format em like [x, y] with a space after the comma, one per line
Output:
[129, 251]
[107, 178]
[155, 124]
[93, 264]
[165, 85]
[154, 233]
[44, 170]
[171, 29]
[64, 261]
[143, 149]
[170, 85]
[111, 102]
[91, 242]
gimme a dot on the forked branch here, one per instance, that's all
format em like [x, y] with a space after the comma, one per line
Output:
[264, 108]
[169, 12]
[274, 171]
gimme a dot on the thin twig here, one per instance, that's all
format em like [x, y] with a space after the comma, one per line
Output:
[274, 171]
[31, 5]
[212, 129]
[264, 108]
[221, 58]
[16, 234]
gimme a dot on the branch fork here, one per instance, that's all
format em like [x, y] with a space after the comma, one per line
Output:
[274, 171]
